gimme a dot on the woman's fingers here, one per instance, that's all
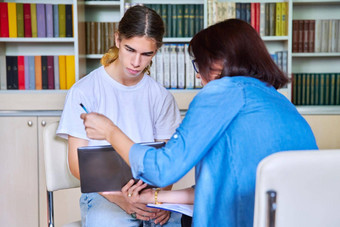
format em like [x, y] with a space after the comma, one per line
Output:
[126, 187]
[162, 217]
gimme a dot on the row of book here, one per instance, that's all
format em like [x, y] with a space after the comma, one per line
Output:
[38, 72]
[281, 59]
[180, 20]
[316, 36]
[172, 67]
[99, 36]
[268, 19]
[316, 89]
[35, 20]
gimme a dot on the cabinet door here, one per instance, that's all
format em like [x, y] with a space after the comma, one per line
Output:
[66, 202]
[18, 171]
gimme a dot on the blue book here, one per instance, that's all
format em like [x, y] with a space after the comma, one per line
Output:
[56, 73]
[27, 75]
[49, 20]
[56, 20]
[41, 20]
[31, 68]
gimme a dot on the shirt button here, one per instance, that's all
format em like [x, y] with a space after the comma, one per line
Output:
[175, 136]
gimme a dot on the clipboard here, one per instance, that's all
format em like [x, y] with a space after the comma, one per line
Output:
[102, 169]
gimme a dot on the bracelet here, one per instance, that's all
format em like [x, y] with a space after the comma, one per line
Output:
[156, 195]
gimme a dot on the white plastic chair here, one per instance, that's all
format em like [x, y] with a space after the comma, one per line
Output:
[58, 176]
[298, 188]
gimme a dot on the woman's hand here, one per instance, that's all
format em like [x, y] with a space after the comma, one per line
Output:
[97, 126]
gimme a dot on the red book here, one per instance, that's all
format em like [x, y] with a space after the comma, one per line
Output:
[27, 20]
[50, 72]
[257, 16]
[311, 36]
[253, 15]
[306, 35]
[295, 42]
[21, 72]
[4, 32]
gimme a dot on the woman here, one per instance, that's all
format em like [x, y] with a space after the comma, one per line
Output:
[141, 107]
[236, 120]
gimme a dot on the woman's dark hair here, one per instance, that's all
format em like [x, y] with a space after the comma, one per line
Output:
[138, 21]
[242, 50]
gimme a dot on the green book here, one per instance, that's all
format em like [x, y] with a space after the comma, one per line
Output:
[169, 21]
[298, 88]
[322, 89]
[20, 20]
[337, 89]
[316, 89]
[303, 91]
[34, 20]
[197, 21]
[191, 20]
[180, 20]
[62, 20]
[174, 21]
[294, 86]
[165, 19]
[332, 81]
[185, 20]
[312, 90]
[307, 102]
[327, 88]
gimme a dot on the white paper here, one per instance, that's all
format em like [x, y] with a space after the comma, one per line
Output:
[180, 208]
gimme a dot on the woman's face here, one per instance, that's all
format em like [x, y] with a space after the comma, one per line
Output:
[135, 54]
[215, 71]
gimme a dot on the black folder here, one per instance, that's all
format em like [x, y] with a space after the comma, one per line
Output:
[102, 169]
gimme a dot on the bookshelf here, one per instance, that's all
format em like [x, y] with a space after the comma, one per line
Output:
[323, 62]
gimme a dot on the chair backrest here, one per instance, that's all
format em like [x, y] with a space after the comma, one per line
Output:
[298, 188]
[57, 171]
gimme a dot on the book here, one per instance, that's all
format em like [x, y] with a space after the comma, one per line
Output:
[173, 66]
[153, 72]
[12, 72]
[44, 74]
[272, 19]
[311, 36]
[180, 21]
[284, 21]
[160, 67]
[70, 71]
[166, 65]
[21, 73]
[20, 20]
[186, 209]
[4, 32]
[318, 36]
[55, 20]
[180, 66]
[3, 75]
[174, 24]
[62, 20]
[49, 20]
[50, 72]
[324, 35]
[41, 20]
[31, 68]
[27, 20]
[62, 72]
[295, 38]
[38, 72]
[12, 19]
[68, 20]
[34, 20]
[306, 36]
[278, 23]
[189, 74]
[56, 72]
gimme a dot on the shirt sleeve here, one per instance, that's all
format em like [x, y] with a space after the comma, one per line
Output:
[70, 121]
[168, 118]
[209, 115]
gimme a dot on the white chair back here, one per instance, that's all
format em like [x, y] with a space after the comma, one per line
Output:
[57, 171]
[298, 188]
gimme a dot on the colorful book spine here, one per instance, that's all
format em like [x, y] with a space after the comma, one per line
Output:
[62, 20]
[173, 66]
[68, 17]
[50, 72]
[12, 19]
[21, 72]
[34, 25]
[70, 71]
[56, 72]
[181, 66]
[27, 20]
[3, 79]
[38, 73]
[27, 73]
[41, 20]
[4, 32]
[44, 75]
[20, 20]
[62, 72]
[49, 20]
[56, 20]
[12, 72]
[31, 68]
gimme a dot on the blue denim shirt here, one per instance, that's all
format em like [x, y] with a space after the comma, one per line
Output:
[231, 125]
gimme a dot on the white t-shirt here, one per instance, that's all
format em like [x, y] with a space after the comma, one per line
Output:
[144, 112]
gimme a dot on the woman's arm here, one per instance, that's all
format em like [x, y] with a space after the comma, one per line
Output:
[99, 127]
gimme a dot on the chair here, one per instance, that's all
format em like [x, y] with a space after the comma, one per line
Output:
[298, 188]
[58, 176]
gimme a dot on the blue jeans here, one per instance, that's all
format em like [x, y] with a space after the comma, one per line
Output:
[96, 211]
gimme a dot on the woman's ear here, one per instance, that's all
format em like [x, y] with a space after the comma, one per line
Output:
[117, 40]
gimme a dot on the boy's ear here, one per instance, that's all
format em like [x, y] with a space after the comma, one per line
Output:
[117, 40]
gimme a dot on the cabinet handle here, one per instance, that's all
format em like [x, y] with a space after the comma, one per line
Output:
[29, 123]
[43, 123]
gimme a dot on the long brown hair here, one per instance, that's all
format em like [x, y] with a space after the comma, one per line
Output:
[241, 49]
[138, 21]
